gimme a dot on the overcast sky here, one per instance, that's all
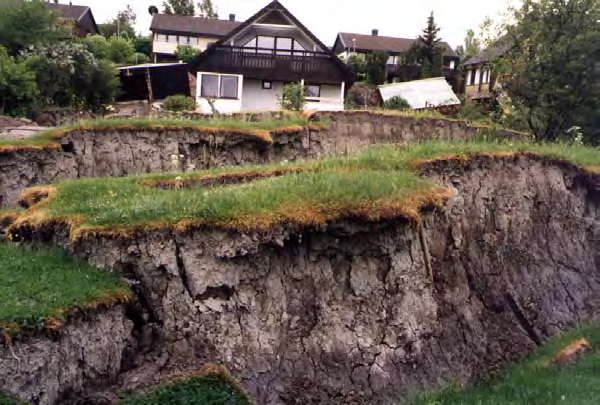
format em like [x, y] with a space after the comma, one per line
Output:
[402, 18]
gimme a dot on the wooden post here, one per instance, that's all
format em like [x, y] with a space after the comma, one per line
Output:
[149, 84]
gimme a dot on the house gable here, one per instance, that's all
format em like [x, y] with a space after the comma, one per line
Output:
[274, 20]
[81, 16]
[273, 45]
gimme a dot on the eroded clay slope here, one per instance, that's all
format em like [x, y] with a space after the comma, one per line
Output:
[86, 354]
[361, 311]
[106, 153]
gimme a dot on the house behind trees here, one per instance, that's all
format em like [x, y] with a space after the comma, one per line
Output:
[400, 67]
[79, 19]
[170, 30]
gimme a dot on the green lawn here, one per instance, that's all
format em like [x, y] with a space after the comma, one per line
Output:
[211, 389]
[379, 183]
[46, 283]
[536, 381]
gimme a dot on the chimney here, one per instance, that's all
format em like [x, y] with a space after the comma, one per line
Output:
[375, 32]
[231, 17]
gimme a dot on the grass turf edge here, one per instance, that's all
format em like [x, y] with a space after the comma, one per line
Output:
[537, 380]
[304, 194]
[211, 385]
[42, 288]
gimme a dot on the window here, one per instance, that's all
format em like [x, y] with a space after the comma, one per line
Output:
[267, 85]
[284, 46]
[229, 86]
[313, 90]
[210, 86]
[265, 42]
[219, 86]
[473, 73]
[281, 45]
[486, 76]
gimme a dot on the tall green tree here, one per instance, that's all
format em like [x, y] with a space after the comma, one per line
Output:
[551, 71]
[206, 9]
[122, 25]
[376, 64]
[428, 51]
[180, 7]
[27, 23]
[470, 48]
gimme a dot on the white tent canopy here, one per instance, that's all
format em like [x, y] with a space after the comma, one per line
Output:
[426, 93]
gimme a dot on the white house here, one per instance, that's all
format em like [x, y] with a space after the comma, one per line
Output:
[247, 69]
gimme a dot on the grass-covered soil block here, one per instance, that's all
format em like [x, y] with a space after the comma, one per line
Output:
[566, 370]
[381, 183]
[42, 287]
[257, 129]
[212, 386]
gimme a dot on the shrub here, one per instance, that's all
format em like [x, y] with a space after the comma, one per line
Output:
[376, 67]
[294, 97]
[397, 103]
[358, 65]
[68, 75]
[186, 53]
[179, 103]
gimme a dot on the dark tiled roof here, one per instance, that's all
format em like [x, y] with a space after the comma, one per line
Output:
[68, 11]
[490, 54]
[387, 44]
[192, 25]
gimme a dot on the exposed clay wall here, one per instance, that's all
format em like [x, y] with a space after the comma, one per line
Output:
[359, 311]
[85, 353]
[367, 128]
[92, 154]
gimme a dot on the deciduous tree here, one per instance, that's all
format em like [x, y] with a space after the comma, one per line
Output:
[122, 25]
[551, 71]
[470, 48]
[206, 9]
[180, 7]
[27, 23]
[67, 74]
[18, 89]
[186, 53]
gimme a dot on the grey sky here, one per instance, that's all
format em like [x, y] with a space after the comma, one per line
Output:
[402, 18]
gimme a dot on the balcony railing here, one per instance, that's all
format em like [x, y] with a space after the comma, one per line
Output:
[274, 64]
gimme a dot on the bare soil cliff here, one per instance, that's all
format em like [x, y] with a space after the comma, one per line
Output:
[89, 153]
[358, 312]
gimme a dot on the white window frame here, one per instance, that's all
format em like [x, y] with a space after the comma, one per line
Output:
[220, 76]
